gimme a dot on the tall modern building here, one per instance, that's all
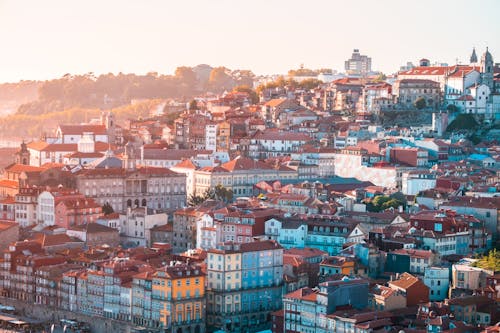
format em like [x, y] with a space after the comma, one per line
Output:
[244, 286]
[358, 64]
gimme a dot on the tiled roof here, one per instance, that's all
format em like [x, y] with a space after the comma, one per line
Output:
[424, 70]
[283, 136]
[80, 129]
[92, 228]
[405, 281]
[244, 163]
[9, 183]
[305, 294]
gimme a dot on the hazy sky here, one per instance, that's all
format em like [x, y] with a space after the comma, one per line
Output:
[46, 39]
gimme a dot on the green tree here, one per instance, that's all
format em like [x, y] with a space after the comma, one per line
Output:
[420, 103]
[107, 209]
[382, 202]
[451, 108]
[223, 194]
[462, 122]
[491, 261]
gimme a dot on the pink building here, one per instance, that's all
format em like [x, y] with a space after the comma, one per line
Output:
[71, 212]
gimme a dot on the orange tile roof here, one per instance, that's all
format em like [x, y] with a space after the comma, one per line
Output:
[80, 129]
[9, 183]
[405, 281]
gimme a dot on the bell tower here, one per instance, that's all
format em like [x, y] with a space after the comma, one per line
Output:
[23, 155]
[487, 69]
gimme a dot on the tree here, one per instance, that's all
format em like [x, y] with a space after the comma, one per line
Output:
[223, 194]
[420, 103]
[195, 200]
[254, 99]
[220, 80]
[382, 202]
[309, 84]
[462, 122]
[193, 106]
[107, 209]
[381, 77]
[452, 108]
[490, 261]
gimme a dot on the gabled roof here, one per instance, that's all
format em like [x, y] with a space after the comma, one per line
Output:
[405, 281]
[244, 163]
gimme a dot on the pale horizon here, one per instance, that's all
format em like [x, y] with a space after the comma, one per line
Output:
[45, 40]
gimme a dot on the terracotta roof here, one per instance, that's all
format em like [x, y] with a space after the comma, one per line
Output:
[18, 168]
[244, 163]
[275, 102]
[4, 225]
[405, 281]
[425, 70]
[9, 183]
[187, 164]
[282, 136]
[80, 129]
[92, 228]
[414, 253]
[54, 240]
[305, 294]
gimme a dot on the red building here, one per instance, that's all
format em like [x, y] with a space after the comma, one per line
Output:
[415, 290]
[415, 157]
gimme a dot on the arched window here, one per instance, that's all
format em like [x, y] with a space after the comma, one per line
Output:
[129, 203]
[136, 202]
[143, 202]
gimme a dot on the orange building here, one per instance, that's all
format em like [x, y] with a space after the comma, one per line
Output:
[178, 297]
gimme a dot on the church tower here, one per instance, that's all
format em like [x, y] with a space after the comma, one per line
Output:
[129, 161]
[473, 57]
[23, 155]
[108, 120]
[487, 69]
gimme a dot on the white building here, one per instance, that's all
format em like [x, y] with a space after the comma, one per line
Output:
[415, 181]
[211, 137]
[206, 232]
[135, 225]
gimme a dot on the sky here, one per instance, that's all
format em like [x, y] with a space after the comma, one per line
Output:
[46, 39]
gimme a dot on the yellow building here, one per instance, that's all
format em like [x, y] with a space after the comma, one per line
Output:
[178, 295]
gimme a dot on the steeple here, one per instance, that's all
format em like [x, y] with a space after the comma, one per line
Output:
[23, 155]
[487, 69]
[473, 57]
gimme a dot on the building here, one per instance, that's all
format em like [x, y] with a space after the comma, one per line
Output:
[136, 225]
[152, 187]
[70, 212]
[407, 91]
[178, 298]
[438, 281]
[239, 175]
[244, 286]
[306, 309]
[484, 209]
[9, 233]
[93, 234]
[414, 157]
[413, 288]
[358, 64]
[383, 298]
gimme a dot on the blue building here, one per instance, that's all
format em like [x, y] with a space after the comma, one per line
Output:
[438, 281]
[244, 285]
